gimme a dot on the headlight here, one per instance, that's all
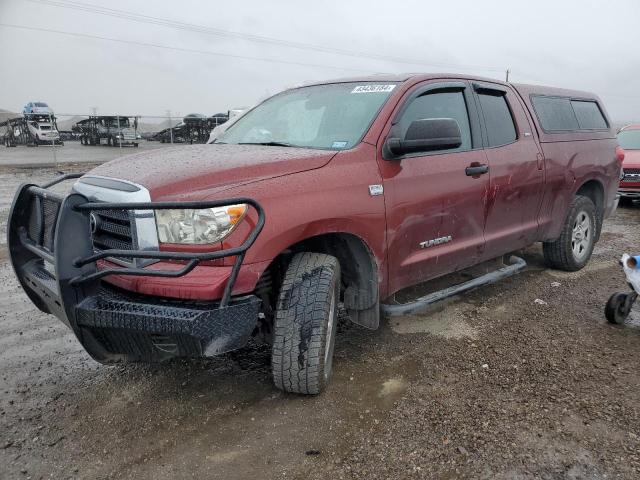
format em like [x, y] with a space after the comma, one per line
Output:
[198, 227]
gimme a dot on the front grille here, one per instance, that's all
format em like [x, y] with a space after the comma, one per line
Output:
[42, 221]
[631, 175]
[112, 229]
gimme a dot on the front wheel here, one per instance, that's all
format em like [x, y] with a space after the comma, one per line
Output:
[572, 250]
[305, 324]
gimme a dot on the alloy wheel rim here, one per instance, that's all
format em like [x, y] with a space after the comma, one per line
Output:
[581, 235]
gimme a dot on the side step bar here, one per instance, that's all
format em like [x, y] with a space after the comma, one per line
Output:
[516, 265]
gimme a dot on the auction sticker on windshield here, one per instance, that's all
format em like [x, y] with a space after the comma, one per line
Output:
[373, 89]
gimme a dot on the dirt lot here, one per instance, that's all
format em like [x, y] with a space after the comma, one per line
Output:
[490, 385]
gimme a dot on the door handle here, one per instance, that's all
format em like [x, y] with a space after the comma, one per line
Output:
[474, 170]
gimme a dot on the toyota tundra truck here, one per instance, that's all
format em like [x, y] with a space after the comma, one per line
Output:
[322, 200]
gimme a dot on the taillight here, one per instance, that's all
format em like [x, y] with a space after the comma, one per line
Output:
[620, 154]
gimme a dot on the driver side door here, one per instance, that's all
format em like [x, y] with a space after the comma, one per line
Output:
[435, 200]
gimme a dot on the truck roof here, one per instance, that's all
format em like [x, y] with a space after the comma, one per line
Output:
[526, 89]
[522, 88]
[403, 77]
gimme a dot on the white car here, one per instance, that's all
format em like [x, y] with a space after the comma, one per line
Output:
[43, 131]
[234, 115]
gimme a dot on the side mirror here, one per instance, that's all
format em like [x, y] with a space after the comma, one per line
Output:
[427, 135]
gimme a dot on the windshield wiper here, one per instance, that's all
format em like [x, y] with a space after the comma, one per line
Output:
[268, 144]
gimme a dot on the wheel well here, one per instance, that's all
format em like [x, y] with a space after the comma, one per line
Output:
[359, 289]
[593, 190]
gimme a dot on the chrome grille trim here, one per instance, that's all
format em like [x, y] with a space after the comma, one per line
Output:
[143, 222]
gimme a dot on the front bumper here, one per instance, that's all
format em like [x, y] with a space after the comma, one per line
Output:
[51, 250]
[629, 192]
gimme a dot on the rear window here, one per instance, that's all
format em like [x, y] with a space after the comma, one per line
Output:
[561, 114]
[589, 115]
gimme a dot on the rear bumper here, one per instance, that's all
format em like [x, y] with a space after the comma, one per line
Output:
[53, 257]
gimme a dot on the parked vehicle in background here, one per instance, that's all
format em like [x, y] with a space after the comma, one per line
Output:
[30, 130]
[37, 108]
[112, 130]
[43, 130]
[194, 128]
[629, 140]
[325, 197]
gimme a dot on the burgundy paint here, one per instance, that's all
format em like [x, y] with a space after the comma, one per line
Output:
[306, 193]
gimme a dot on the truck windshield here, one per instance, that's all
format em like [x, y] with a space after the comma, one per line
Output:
[629, 139]
[332, 116]
[122, 122]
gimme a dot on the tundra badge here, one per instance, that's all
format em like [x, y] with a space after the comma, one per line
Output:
[435, 241]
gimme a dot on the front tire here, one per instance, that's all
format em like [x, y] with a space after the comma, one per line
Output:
[305, 324]
[572, 250]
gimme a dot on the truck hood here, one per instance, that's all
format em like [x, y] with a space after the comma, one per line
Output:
[631, 159]
[179, 172]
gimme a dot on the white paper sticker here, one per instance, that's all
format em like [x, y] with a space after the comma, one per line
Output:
[373, 88]
[339, 144]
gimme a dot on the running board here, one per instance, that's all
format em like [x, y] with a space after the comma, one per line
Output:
[516, 264]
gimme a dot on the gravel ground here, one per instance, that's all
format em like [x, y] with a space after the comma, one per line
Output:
[494, 384]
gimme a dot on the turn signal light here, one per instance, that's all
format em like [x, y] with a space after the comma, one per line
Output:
[620, 154]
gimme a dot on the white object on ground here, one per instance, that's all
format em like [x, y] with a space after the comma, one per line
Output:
[632, 274]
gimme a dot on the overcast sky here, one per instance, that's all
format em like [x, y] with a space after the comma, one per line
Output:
[589, 45]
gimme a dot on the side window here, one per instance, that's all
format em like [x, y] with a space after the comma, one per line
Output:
[555, 113]
[438, 105]
[498, 120]
[589, 115]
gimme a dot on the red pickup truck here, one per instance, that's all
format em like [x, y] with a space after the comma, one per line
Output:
[330, 196]
[629, 140]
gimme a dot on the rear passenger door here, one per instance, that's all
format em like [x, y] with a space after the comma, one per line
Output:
[516, 170]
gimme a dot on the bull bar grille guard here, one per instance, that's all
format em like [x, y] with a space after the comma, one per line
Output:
[75, 263]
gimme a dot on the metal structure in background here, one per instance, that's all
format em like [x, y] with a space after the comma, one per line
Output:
[194, 128]
[31, 130]
[111, 130]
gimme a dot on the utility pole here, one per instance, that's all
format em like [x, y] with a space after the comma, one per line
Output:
[54, 127]
[94, 110]
[508, 71]
[170, 125]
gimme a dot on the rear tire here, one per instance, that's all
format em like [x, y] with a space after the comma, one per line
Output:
[305, 324]
[572, 250]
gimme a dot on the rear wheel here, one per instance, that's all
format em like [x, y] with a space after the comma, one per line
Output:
[572, 250]
[305, 324]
